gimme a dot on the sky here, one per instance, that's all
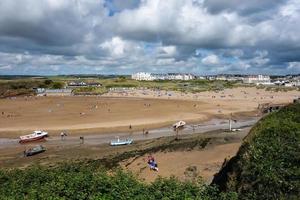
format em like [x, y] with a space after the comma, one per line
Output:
[49, 37]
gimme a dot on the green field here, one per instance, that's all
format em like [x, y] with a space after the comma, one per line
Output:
[22, 86]
[14, 86]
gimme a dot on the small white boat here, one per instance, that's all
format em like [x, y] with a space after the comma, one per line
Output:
[179, 124]
[119, 142]
[36, 135]
[236, 129]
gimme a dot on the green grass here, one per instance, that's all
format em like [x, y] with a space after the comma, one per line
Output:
[75, 181]
[173, 85]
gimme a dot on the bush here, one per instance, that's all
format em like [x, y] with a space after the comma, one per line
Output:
[80, 181]
[57, 85]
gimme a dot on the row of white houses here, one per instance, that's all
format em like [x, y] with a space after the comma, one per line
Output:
[145, 76]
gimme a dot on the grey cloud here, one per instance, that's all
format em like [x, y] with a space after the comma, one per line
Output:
[55, 26]
[243, 8]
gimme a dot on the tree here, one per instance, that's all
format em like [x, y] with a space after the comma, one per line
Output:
[48, 82]
[57, 85]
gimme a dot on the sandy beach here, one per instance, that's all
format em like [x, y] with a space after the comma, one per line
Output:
[116, 111]
[205, 163]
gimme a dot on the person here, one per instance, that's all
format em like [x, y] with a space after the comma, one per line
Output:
[152, 163]
[130, 127]
[81, 139]
[62, 136]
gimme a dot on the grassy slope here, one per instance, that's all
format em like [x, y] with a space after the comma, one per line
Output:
[267, 164]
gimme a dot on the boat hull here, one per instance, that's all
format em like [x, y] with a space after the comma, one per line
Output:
[34, 153]
[32, 139]
[120, 143]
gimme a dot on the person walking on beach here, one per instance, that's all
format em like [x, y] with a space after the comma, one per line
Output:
[81, 139]
[62, 136]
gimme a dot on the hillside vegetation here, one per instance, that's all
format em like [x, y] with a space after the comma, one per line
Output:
[267, 165]
[79, 181]
[24, 87]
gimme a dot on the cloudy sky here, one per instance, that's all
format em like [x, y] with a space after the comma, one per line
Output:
[125, 36]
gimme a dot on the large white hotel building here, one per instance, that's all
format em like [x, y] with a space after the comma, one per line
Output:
[145, 76]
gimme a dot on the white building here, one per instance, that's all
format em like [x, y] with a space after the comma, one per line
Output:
[53, 92]
[144, 76]
[257, 79]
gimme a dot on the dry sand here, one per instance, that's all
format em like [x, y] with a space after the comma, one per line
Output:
[207, 163]
[140, 109]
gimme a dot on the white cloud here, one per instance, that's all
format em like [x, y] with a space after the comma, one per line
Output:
[117, 47]
[294, 66]
[211, 60]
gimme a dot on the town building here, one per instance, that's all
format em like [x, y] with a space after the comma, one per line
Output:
[53, 92]
[144, 76]
[257, 79]
[83, 84]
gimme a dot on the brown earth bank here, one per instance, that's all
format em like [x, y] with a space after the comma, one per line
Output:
[187, 158]
[140, 109]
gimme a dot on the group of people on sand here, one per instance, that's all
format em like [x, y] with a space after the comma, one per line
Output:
[152, 163]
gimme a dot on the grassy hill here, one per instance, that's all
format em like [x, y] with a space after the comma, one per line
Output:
[267, 165]
[79, 181]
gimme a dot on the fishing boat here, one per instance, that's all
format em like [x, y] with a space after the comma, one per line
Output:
[35, 150]
[119, 142]
[36, 135]
[179, 124]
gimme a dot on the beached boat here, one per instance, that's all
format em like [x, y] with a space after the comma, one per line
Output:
[35, 150]
[179, 124]
[119, 142]
[36, 135]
